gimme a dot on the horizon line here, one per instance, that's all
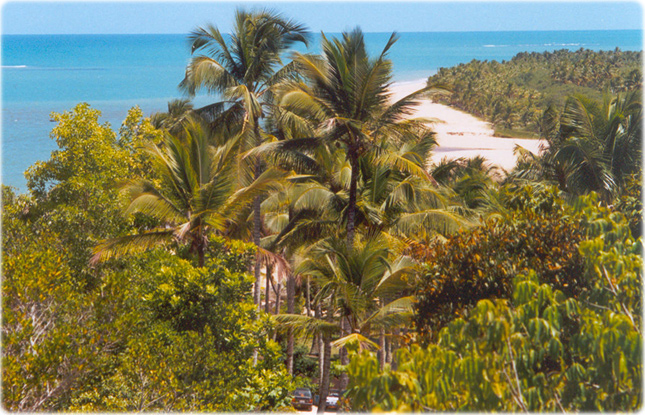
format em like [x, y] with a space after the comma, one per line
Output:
[333, 32]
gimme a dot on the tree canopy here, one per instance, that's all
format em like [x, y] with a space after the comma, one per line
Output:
[455, 286]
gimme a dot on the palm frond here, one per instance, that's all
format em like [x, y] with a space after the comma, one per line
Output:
[313, 67]
[130, 244]
[288, 154]
[147, 199]
[305, 324]
[278, 262]
[403, 163]
[206, 72]
[252, 106]
[404, 106]
[269, 180]
[394, 279]
[313, 196]
[395, 313]
[576, 120]
[356, 338]
[439, 220]
[584, 167]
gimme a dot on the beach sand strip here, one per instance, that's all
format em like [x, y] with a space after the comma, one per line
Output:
[460, 134]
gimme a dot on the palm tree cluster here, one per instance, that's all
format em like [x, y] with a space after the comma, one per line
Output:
[513, 94]
[314, 162]
[311, 160]
[590, 147]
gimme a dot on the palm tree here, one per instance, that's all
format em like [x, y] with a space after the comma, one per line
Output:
[178, 112]
[393, 193]
[472, 180]
[297, 216]
[193, 193]
[347, 95]
[359, 288]
[592, 147]
[623, 135]
[243, 69]
[360, 280]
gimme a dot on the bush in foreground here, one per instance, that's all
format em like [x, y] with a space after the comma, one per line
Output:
[540, 350]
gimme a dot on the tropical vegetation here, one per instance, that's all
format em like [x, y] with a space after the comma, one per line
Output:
[533, 348]
[293, 234]
[513, 94]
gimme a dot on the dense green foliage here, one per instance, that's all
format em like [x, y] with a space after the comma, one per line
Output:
[151, 333]
[630, 204]
[74, 192]
[126, 267]
[540, 350]
[590, 146]
[513, 94]
[539, 234]
[121, 353]
[244, 69]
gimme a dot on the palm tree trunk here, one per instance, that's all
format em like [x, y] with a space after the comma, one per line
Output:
[308, 299]
[321, 358]
[382, 352]
[200, 245]
[276, 310]
[388, 349]
[201, 254]
[351, 206]
[257, 227]
[393, 361]
[291, 299]
[316, 344]
[257, 223]
[344, 358]
[267, 292]
[277, 298]
[326, 369]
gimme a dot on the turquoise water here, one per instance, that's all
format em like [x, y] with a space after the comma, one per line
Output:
[46, 73]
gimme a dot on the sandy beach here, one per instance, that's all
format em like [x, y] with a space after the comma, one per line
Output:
[463, 135]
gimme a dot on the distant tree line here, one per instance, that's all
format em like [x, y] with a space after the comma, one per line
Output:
[513, 94]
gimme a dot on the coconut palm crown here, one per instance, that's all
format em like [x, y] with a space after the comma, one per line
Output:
[193, 193]
[243, 69]
[347, 95]
[590, 147]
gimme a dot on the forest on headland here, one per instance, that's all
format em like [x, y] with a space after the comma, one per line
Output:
[293, 234]
[513, 94]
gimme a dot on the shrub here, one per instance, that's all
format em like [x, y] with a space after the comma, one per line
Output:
[481, 263]
[540, 350]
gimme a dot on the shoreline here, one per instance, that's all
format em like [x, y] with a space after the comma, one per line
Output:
[460, 134]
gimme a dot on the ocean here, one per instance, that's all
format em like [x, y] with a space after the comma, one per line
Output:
[42, 74]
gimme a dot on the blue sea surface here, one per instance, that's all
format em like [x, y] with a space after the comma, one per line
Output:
[42, 74]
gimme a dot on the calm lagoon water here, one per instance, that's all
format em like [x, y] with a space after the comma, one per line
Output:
[42, 74]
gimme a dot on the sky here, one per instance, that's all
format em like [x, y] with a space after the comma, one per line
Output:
[130, 17]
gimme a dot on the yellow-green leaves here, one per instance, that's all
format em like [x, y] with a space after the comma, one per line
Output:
[479, 263]
[540, 351]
